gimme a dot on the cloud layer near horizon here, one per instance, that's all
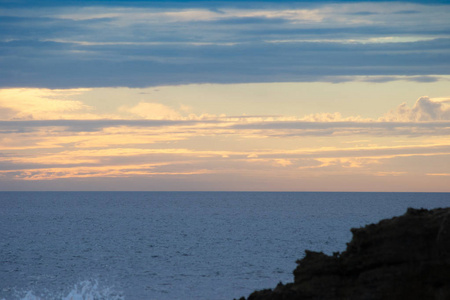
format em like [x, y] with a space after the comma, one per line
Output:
[46, 135]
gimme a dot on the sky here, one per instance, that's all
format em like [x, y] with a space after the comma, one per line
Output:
[225, 96]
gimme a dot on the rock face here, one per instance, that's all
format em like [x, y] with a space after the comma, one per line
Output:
[406, 257]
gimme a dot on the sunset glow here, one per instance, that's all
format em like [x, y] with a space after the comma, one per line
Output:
[282, 96]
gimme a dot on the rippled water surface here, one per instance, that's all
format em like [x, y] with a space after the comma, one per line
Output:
[174, 245]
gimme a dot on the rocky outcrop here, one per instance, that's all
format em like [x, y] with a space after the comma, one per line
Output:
[406, 257]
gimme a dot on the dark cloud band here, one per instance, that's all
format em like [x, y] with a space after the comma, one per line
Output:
[100, 45]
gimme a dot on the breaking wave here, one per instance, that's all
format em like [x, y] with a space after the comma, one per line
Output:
[84, 290]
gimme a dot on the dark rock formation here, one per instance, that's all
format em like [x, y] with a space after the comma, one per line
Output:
[406, 257]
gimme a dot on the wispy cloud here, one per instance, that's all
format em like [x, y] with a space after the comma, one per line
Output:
[41, 111]
[242, 95]
[125, 45]
[438, 174]
[101, 163]
[90, 172]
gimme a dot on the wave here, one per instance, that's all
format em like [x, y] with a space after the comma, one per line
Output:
[84, 290]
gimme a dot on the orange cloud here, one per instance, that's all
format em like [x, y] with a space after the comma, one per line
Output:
[152, 139]
[41, 104]
[90, 172]
[153, 111]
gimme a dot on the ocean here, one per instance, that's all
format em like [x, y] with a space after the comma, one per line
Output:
[175, 245]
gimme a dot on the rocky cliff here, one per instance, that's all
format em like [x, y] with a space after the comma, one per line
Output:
[406, 257]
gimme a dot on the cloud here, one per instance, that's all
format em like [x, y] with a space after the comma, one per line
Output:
[382, 79]
[120, 171]
[128, 45]
[39, 104]
[150, 139]
[154, 111]
[169, 64]
[438, 174]
[92, 125]
[283, 162]
[390, 173]
[425, 109]
[129, 162]
[331, 117]
[340, 163]
[300, 124]
[158, 130]
[427, 117]
[407, 12]
[250, 21]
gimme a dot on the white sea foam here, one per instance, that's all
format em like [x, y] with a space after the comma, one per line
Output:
[84, 290]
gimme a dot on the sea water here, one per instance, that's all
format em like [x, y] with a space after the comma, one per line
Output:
[175, 245]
